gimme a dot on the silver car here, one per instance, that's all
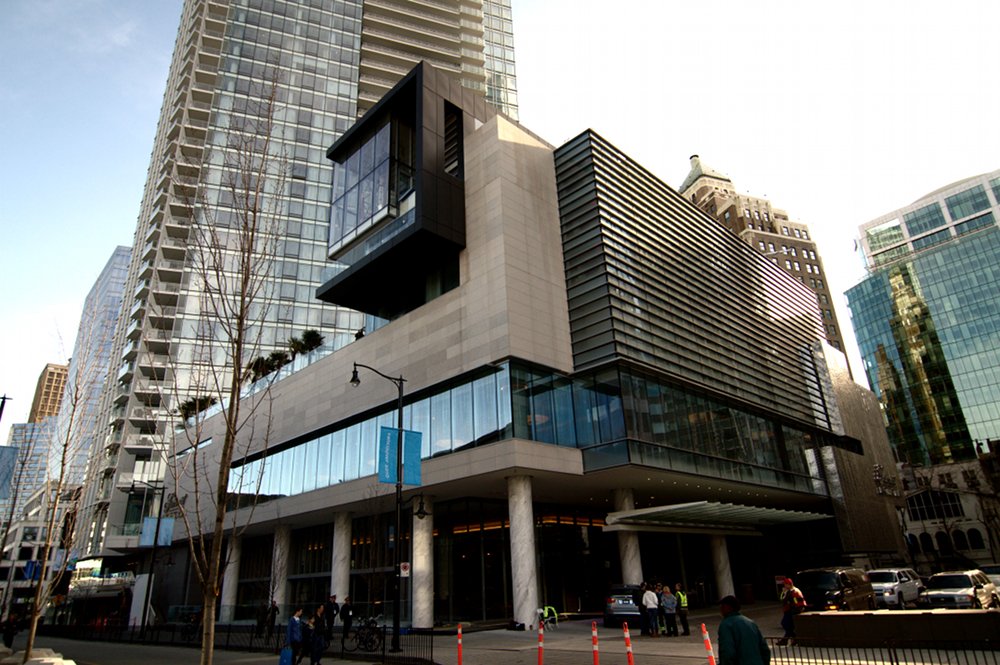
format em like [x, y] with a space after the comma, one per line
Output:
[894, 587]
[992, 571]
[961, 589]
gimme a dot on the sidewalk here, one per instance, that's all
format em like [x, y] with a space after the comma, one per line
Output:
[569, 644]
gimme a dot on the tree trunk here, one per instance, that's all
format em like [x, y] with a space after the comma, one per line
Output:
[208, 629]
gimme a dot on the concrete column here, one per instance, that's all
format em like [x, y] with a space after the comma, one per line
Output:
[230, 579]
[340, 567]
[720, 564]
[628, 541]
[422, 567]
[522, 550]
[279, 568]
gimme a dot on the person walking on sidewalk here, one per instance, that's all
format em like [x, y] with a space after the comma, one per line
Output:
[682, 608]
[740, 640]
[792, 603]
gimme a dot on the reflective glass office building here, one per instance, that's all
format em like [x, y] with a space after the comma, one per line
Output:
[589, 405]
[927, 319]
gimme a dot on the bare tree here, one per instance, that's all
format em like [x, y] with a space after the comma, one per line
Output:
[234, 240]
[22, 456]
[59, 500]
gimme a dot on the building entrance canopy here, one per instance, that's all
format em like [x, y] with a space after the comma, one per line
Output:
[706, 517]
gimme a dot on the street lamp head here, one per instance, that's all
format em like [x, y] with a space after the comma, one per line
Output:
[355, 380]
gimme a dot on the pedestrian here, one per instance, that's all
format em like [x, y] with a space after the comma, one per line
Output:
[261, 620]
[319, 642]
[10, 627]
[792, 603]
[661, 621]
[740, 640]
[272, 618]
[293, 635]
[308, 632]
[682, 608]
[651, 603]
[668, 604]
[332, 609]
[346, 618]
[637, 601]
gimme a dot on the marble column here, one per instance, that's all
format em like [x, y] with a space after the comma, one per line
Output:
[230, 579]
[340, 566]
[522, 550]
[628, 541]
[422, 566]
[720, 564]
[279, 568]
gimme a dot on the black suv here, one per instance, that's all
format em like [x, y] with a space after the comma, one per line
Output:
[835, 589]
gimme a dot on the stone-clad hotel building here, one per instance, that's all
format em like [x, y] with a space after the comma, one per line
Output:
[609, 387]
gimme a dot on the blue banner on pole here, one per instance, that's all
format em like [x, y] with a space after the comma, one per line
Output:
[387, 442]
[166, 535]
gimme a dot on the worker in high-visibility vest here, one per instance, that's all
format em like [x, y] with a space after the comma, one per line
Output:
[682, 608]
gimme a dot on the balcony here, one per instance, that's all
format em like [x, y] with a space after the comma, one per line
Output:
[138, 310]
[130, 350]
[178, 226]
[117, 415]
[142, 288]
[162, 317]
[140, 443]
[144, 416]
[170, 271]
[173, 249]
[165, 293]
[122, 393]
[148, 391]
[158, 341]
[126, 371]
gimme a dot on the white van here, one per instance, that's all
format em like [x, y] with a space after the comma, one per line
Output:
[894, 587]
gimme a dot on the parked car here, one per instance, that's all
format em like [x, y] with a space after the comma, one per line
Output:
[961, 589]
[620, 606]
[992, 571]
[894, 587]
[835, 589]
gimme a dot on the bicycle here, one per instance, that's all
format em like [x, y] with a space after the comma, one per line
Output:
[368, 636]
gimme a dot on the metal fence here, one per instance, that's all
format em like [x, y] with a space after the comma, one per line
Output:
[982, 652]
[416, 647]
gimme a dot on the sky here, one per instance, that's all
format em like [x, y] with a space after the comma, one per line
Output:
[838, 112]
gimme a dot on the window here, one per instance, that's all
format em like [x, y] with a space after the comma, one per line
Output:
[788, 265]
[794, 252]
[923, 220]
[746, 212]
[767, 218]
[770, 247]
[797, 268]
[967, 203]
[784, 230]
[761, 245]
[756, 214]
[976, 540]
[798, 233]
[819, 284]
[805, 234]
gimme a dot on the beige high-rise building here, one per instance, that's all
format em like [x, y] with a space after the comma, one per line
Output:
[48, 392]
[787, 243]
[328, 64]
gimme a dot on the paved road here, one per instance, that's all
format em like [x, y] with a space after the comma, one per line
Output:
[570, 644]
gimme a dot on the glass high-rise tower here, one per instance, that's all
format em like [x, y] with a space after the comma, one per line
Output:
[927, 319]
[329, 62]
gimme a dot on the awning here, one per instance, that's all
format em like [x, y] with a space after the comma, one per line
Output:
[706, 517]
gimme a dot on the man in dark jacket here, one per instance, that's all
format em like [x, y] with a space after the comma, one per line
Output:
[346, 618]
[740, 640]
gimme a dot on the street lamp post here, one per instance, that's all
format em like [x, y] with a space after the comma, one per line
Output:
[152, 555]
[396, 550]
